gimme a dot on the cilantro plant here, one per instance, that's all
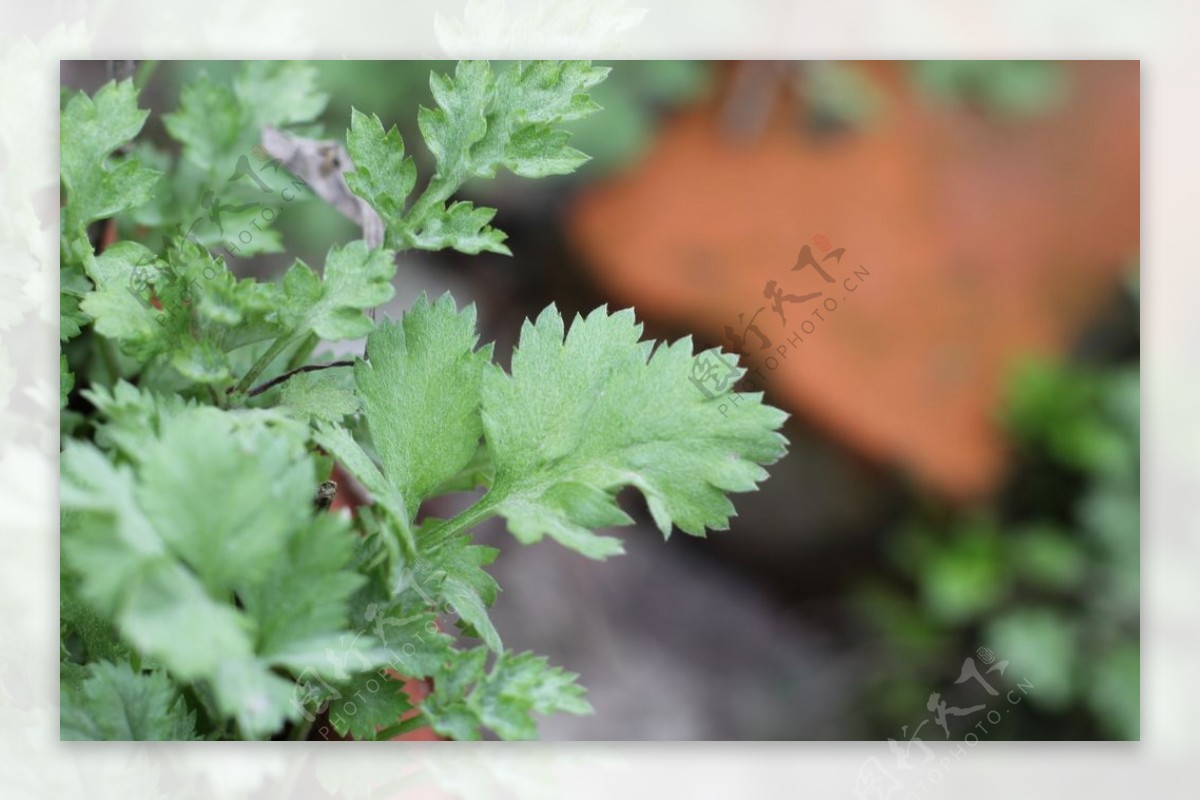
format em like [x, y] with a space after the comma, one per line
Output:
[208, 591]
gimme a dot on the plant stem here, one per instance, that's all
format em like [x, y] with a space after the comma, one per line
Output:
[438, 190]
[403, 727]
[144, 71]
[263, 362]
[300, 357]
[470, 517]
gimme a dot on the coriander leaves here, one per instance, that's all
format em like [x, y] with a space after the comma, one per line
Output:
[205, 594]
[580, 417]
[482, 122]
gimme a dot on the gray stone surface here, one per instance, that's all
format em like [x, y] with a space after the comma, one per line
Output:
[670, 645]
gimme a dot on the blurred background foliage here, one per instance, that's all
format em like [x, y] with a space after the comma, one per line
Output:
[847, 592]
[1012, 89]
[1047, 576]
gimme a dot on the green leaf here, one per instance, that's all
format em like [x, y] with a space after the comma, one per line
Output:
[408, 631]
[166, 570]
[578, 420]
[300, 603]
[351, 456]
[322, 395]
[250, 693]
[71, 319]
[129, 575]
[383, 175]
[420, 393]
[466, 698]
[97, 184]
[218, 124]
[1042, 645]
[185, 308]
[1006, 89]
[531, 98]
[535, 152]
[129, 418]
[368, 703]
[468, 588]
[208, 483]
[356, 278]
[115, 703]
[66, 381]
[119, 304]
[460, 121]
[966, 577]
[208, 123]
[223, 198]
[520, 680]
[1060, 408]
[484, 122]
[278, 92]
[202, 362]
[1049, 557]
[463, 227]
[96, 635]
[103, 526]
[477, 473]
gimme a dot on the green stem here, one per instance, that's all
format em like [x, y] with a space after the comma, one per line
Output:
[300, 357]
[144, 71]
[263, 362]
[403, 727]
[408, 539]
[437, 191]
[470, 517]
